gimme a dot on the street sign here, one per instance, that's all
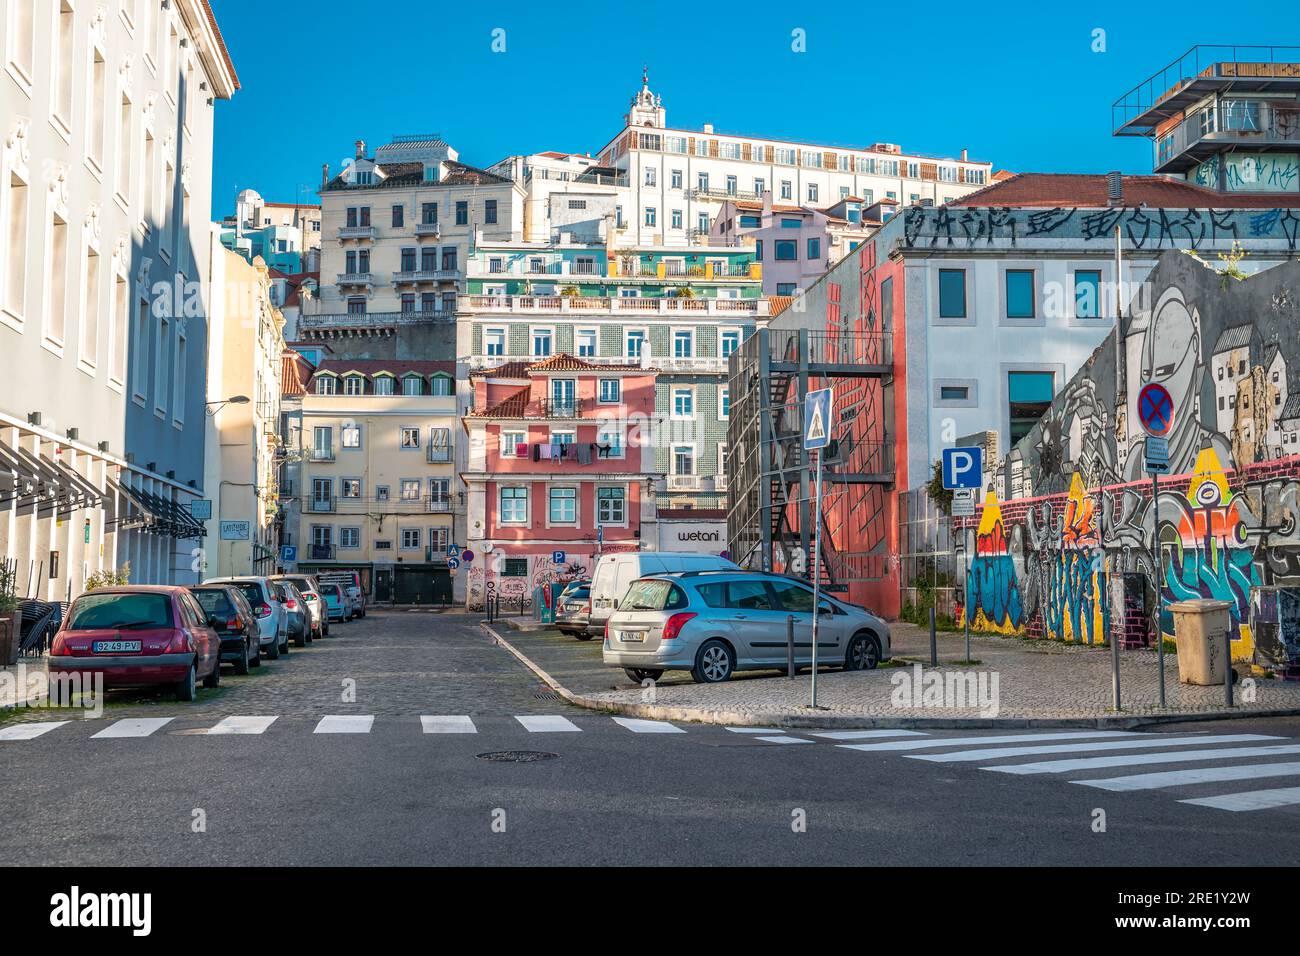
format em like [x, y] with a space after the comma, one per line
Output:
[201, 508]
[234, 531]
[963, 467]
[1156, 455]
[963, 503]
[817, 410]
[557, 557]
[288, 553]
[600, 534]
[453, 563]
[467, 556]
[1155, 409]
[453, 551]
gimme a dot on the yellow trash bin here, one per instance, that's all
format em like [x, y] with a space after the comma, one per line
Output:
[1199, 626]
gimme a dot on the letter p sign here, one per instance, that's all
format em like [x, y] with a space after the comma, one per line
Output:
[963, 467]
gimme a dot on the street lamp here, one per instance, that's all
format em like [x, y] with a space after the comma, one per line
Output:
[232, 400]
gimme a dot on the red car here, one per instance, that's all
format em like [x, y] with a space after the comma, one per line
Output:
[139, 636]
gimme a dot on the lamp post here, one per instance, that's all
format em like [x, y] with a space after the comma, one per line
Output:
[232, 400]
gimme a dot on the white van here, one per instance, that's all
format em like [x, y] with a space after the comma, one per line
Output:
[615, 573]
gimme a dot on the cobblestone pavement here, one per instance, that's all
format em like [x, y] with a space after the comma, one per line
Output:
[1036, 679]
[403, 663]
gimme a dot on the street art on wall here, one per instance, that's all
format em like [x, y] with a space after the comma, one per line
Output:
[1081, 518]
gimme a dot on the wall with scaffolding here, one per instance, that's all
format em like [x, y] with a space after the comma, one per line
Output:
[840, 334]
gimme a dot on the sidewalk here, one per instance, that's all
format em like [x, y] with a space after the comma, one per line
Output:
[1037, 684]
[14, 691]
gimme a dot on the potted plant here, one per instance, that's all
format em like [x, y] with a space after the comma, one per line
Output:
[9, 620]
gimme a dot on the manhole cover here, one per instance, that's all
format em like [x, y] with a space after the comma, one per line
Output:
[547, 695]
[516, 756]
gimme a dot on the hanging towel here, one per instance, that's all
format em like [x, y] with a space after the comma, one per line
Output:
[584, 454]
[521, 450]
[557, 451]
[537, 452]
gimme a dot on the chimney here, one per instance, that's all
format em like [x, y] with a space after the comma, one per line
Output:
[361, 149]
[1115, 188]
[963, 155]
[324, 175]
[708, 129]
[767, 202]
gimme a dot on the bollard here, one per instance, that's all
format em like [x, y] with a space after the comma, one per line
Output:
[1114, 671]
[934, 646]
[789, 645]
[1228, 673]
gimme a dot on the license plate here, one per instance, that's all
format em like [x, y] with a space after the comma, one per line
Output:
[631, 636]
[115, 647]
[574, 608]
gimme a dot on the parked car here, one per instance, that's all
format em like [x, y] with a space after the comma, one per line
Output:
[573, 610]
[350, 581]
[272, 619]
[297, 614]
[336, 602]
[139, 636]
[713, 623]
[308, 586]
[232, 617]
[614, 574]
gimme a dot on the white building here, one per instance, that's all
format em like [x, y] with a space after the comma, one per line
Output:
[105, 179]
[677, 179]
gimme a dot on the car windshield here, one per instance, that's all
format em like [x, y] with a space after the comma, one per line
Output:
[331, 590]
[581, 592]
[653, 595]
[95, 612]
[252, 590]
[214, 603]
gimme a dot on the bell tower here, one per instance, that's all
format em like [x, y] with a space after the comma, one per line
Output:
[647, 109]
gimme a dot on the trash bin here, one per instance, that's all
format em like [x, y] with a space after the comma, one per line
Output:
[1199, 626]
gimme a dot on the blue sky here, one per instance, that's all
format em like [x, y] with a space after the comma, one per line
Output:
[1021, 87]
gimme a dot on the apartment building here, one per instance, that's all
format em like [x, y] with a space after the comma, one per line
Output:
[567, 197]
[398, 226]
[105, 179]
[244, 376]
[677, 179]
[558, 470]
[286, 236]
[681, 311]
[376, 481]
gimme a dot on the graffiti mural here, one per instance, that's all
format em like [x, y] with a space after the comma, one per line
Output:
[1228, 353]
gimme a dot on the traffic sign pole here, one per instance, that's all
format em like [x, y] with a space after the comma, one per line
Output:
[817, 576]
[1160, 576]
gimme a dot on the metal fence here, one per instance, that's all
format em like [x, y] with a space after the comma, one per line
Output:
[927, 563]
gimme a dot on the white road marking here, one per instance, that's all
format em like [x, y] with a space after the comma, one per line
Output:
[447, 725]
[993, 753]
[972, 741]
[755, 730]
[346, 724]
[134, 727]
[1140, 760]
[242, 725]
[784, 740]
[29, 731]
[865, 734]
[638, 726]
[1178, 778]
[1251, 800]
[548, 724]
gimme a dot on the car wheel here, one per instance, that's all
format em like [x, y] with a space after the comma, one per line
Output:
[583, 635]
[640, 674]
[242, 665]
[186, 689]
[213, 680]
[863, 653]
[713, 663]
[326, 631]
[284, 648]
[256, 660]
[274, 652]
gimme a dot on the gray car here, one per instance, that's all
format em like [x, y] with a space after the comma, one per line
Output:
[310, 590]
[714, 623]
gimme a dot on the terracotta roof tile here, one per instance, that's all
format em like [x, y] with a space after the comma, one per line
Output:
[1089, 189]
[513, 405]
[561, 362]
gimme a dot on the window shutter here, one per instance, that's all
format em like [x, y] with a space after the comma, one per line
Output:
[745, 151]
[828, 160]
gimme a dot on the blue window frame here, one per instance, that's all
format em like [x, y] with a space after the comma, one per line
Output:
[952, 293]
[1020, 293]
[758, 250]
[814, 248]
[787, 250]
[1087, 293]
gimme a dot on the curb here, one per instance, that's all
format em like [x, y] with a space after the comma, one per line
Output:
[793, 719]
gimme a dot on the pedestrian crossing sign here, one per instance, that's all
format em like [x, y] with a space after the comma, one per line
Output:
[817, 418]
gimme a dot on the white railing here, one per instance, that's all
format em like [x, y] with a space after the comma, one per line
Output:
[683, 482]
[573, 303]
[356, 232]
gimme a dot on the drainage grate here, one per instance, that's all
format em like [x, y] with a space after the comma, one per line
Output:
[547, 695]
[516, 756]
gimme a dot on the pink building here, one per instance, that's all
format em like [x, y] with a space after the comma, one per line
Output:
[559, 469]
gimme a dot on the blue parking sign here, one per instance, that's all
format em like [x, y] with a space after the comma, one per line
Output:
[963, 467]
[288, 553]
[557, 557]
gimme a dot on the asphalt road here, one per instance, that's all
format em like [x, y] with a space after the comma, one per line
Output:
[388, 792]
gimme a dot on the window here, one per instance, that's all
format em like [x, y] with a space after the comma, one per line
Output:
[429, 214]
[349, 538]
[1028, 395]
[758, 250]
[702, 222]
[440, 385]
[610, 390]
[649, 215]
[494, 342]
[677, 219]
[675, 180]
[326, 385]
[440, 491]
[724, 401]
[611, 505]
[410, 539]
[787, 288]
[563, 505]
[399, 216]
[383, 384]
[1020, 293]
[634, 342]
[514, 506]
[812, 192]
[952, 293]
[381, 492]
[787, 250]
[349, 487]
[354, 385]
[439, 444]
[586, 341]
[490, 212]
[760, 185]
[350, 436]
[323, 442]
[510, 442]
[683, 402]
[702, 182]
[729, 341]
[383, 544]
[1087, 293]
[954, 393]
[514, 568]
[731, 185]
[814, 249]
[410, 489]
[439, 539]
[793, 597]
[322, 494]
[429, 260]
[15, 236]
[410, 437]
[412, 385]
[542, 341]
[683, 343]
[611, 436]
[90, 310]
[684, 460]
[791, 223]
[650, 176]
[787, 189]
[462, 213]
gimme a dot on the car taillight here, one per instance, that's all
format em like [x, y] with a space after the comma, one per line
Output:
[59, 647]
[264, 610]
[310, 596]
[607, 630]
[180, 644]
[234, 624]
[291, 604]
[587, 607]
[674, 625]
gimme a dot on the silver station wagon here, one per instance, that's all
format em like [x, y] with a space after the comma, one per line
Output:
[713, 623]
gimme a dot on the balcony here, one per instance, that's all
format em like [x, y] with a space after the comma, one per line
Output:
[323, 505]
[561, 408]
[428, 230]
[419, 276]
[438, 505]
[322, 454]
[326, 322]
[684, 483]
[722, 193]
[321, 552]
[562, 304]
[696, 364]
[439, 454]
[357, 232]
[1244, 123]
[355, 279]
[673, 271]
